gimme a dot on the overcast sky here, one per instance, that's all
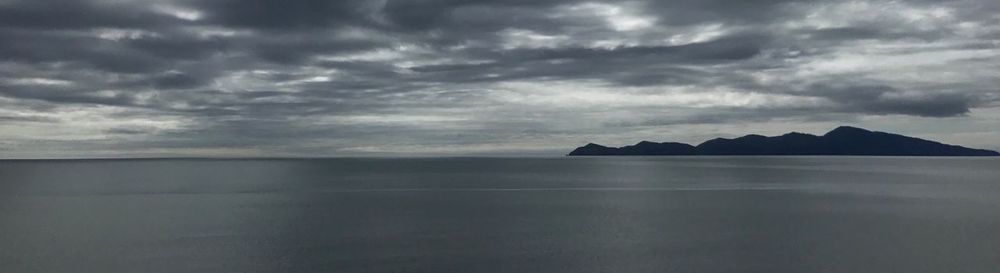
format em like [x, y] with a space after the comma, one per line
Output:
[100, 78]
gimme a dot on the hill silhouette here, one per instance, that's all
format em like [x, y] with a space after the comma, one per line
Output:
[844, 140]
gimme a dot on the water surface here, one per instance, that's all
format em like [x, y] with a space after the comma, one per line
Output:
[605, 214]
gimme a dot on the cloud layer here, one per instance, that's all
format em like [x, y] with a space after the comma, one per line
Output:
[83, 78]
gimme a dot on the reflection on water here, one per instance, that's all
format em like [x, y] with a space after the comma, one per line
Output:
[634, 214]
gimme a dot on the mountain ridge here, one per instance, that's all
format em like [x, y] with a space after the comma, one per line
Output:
[843, 140]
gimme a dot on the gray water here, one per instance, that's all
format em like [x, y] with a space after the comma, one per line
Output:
[623, 214]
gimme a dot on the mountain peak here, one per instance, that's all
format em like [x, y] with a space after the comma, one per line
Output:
[593, 149]
[796, 134]
[847, 130]
[752, 136]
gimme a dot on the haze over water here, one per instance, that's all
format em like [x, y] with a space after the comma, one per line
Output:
[631, 214]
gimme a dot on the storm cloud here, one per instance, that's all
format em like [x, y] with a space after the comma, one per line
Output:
[83, 78]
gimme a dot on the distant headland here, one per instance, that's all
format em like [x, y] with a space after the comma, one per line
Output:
[844, 140]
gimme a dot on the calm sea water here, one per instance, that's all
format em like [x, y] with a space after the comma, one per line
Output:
[625, 214]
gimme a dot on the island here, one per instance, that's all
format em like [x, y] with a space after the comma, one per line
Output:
[844, 140]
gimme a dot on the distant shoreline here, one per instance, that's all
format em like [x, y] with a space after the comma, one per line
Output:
[842, 141]
[463, 157]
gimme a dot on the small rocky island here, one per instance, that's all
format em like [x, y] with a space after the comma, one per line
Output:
[844, 140]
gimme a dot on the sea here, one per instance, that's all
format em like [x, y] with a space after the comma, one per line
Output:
[557, 214]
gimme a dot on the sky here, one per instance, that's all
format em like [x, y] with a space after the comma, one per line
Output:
[144, 78]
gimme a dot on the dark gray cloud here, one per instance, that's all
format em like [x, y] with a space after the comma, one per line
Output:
[79, 15]
[883, 99]
[312, 77]
[177, 80]
[65, 95]
[279, 15]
